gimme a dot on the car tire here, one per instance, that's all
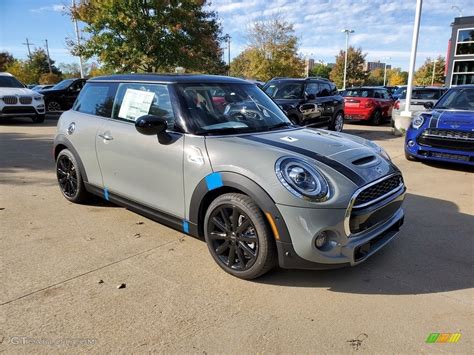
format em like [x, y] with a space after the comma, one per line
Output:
[337, 122]
[53, 106]
[70, 178]
[377, 118]
[38, 118]
[238, 237]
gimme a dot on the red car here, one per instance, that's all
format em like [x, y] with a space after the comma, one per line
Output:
[372, 104]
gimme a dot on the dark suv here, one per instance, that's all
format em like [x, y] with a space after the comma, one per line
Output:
[312, 101]
[61, 96]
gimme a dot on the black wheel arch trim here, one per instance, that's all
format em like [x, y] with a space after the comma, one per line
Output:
[62, 140]
[236, 181]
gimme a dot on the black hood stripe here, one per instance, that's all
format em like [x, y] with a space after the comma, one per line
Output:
[344, 170]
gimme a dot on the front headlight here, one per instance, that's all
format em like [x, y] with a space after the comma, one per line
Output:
[378, 149]
[302, 179]
[38, 97]
[418, 122]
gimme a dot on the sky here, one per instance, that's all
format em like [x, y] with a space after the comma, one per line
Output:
[383, 28]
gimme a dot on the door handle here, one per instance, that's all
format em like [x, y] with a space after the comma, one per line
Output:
[106, 137]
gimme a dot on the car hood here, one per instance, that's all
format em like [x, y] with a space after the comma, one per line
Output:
[16, 91]
[450, 119]
[347, 161]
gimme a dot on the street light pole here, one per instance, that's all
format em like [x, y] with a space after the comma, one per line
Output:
[434, 69]
[76, 28]
[411, 70]
[347, 32]
[227, 39]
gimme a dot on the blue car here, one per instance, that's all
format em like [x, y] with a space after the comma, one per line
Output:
[446, 133]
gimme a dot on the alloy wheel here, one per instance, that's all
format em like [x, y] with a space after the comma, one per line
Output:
[53, 106]
[233, 237]
[339, 122]
[67, 176]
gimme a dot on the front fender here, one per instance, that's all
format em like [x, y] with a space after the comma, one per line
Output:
[219, 182]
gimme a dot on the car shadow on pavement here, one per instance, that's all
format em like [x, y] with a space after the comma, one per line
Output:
[449, 166]
[365, 130]
[433, 253]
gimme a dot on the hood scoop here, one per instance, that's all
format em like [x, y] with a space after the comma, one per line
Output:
[364, 160]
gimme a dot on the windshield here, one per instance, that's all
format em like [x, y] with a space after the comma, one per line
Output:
[285, 90]
[63, 84]
[230, 109]
[10, 82]
[423, 94]
[358, 93]
[457, 99]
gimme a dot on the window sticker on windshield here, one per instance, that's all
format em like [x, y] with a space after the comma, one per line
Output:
[135, 103]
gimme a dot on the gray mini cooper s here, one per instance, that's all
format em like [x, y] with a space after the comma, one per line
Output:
[214, 157]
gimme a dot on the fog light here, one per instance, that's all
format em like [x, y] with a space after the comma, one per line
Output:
[411, 143]
[321, 239]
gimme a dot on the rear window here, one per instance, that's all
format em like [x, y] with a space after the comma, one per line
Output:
[96, 99]
[424, 94]
[359, 93]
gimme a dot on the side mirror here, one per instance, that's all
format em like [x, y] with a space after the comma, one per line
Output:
[428, 105]
[310, 97]
[150, 125]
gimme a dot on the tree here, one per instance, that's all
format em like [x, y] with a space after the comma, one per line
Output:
[150, 35]
[5, 60]
[38, 60]
[397, 77]
[355, 71]
[424, 75]
[375, 77]
[273, 51]
[23, 71]
[320, 70]
[49, 78]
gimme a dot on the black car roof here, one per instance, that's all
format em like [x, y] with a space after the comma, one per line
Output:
[172, 78]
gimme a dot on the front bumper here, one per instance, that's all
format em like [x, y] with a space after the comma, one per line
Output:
[21, 110]
[454, 154]
[343, 248]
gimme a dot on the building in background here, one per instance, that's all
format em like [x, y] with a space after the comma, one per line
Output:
[460, 56]
[309, 65]
[369, 66]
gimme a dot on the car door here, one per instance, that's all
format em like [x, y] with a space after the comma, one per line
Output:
[71, 93]
[325, 101]
[387, 102]
[146, 170]
[310, 108]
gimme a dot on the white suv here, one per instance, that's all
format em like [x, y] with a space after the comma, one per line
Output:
[17, 100]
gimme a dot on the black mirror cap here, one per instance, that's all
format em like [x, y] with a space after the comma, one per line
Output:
[150, 125]
[428, 105]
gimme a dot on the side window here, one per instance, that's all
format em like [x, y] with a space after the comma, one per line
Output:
[377, 94]
[96, 99]
[324, 90]
[312, 89]
[385, 94]
[333, 89]
[134, 100]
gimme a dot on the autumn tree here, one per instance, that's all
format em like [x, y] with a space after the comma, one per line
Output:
[424, 75]
[23, 71]
[38, 60]
[355, 71]
[272, 51]
[5, 60]
[320, 70]
[397, 77]
[150, 35]
[375, 77]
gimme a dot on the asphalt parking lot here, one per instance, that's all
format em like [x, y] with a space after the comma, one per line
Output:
[55, 254]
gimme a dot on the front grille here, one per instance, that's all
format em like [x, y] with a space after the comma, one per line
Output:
[378, 190]
[447, 139]
[18, 109]
[449, 133]
[26, 100]
[10, 100]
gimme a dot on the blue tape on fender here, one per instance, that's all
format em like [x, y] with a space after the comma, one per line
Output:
[106, 193]
[185, 226]
[214, 181]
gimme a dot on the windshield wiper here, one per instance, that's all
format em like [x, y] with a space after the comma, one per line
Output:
[221, 130]
[280, 125]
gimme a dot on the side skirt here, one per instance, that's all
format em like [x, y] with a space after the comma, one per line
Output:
[161, 217]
